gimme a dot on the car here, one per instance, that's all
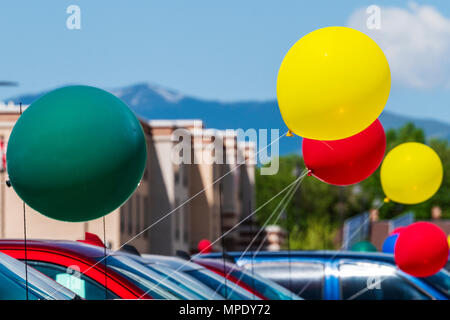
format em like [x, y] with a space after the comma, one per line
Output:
[260, 287]
[81, 267]
[342, 275]
[229, 291]
[20, 282]
[182, 280]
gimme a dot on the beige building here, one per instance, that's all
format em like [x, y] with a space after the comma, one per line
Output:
[175, 205]
[39, 226]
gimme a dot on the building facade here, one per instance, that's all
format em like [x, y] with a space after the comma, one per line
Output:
[176, 204]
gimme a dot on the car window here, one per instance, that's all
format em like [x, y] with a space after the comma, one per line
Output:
[440, 281]
[186, 282]
[305, 279]
[13, 282]
[266, 287]
[13, 290]
[72, 279]
[370, 281]
[157, 286]
[228, 289]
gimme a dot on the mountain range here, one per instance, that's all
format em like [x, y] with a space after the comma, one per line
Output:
[155, 102]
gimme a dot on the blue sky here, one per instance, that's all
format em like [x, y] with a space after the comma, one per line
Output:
[227, 50]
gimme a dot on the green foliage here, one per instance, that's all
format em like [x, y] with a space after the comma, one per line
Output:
[318, 209]
[319, 234]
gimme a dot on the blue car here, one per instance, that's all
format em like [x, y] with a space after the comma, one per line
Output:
[340, 275]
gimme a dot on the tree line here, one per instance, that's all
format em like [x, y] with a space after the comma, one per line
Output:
[317, 210]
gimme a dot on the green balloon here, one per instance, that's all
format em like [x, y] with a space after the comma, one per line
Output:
[76, 154]
[364, 246]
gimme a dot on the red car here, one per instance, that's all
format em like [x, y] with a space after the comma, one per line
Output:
[77, 266]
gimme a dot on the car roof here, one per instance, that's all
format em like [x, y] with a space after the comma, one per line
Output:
[219, 264]
[172, 262]
[321, 254]
[72, 247]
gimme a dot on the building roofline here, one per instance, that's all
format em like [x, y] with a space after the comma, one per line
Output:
[11, 107]
[167, 123]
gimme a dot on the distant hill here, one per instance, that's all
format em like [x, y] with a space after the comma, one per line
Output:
[154, 102]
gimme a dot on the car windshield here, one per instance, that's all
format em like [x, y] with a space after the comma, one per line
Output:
[268, 288]
[230, 290]
[186, 282]
[440, 281]
[13, 279]
[157, 286]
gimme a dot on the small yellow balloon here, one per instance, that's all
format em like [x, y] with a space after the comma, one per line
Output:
[332, 84]
[411, 173]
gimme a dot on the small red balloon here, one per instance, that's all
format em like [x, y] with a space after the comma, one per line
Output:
[347, 161]
[421, 250]
[204, 246]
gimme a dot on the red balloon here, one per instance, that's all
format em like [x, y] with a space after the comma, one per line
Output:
[347, 161]
[421, 249]
[204, 246]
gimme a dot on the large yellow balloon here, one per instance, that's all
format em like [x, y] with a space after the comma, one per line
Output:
[411, 173]
[332, 84]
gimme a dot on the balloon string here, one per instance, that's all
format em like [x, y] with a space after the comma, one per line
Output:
[299, 293]
[327, 145]
[227, 232]
[104, 252]
[251, 232]
[283, 205]
[289, 252]
[174, 210]
[24, 232]
[223, 240]
[25, 245]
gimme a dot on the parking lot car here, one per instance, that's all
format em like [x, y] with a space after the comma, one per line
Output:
[335, 275]
[182, 280]
[14, 284]
[152, 280]
[81, 268]
[217, 283]
[261, 287]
